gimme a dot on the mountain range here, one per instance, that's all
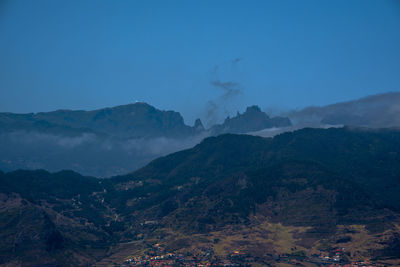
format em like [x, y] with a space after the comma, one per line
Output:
[117, 140]
[138, 120]
[108, 141]
[292, 195]
[374, 111]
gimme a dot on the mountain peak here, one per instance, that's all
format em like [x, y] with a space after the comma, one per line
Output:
[198, 125]
[253, 119]
[253, 108]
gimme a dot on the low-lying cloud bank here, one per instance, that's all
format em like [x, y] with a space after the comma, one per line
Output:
[375, 111]
[275, 131]
[87, 153]
[55, 148]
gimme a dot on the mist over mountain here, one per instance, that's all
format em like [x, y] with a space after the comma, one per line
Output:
[293, 195]
[241, 171]
[102, 142]
[375, 111]
[120, 139]
[107, 141]
[253, 119]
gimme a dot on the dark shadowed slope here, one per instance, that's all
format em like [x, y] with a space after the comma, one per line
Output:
[366, 159]
[321, 184]
[52, 219]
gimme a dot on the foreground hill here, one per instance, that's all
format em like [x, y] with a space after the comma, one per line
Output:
[294, 195]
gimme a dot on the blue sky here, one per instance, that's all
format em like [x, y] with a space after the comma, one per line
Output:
[277, 54]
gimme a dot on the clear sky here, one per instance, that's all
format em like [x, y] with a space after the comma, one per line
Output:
[182, 54]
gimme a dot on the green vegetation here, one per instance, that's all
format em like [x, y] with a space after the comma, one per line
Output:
[294, 194]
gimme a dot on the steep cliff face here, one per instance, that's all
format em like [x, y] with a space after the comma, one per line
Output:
[132, 121]
[138, 120]
[253, 119]
[102, 142]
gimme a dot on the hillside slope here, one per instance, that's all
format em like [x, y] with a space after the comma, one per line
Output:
[306, 191]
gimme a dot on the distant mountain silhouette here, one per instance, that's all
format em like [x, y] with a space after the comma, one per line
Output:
[377, 111]
[101, 142]
[138, 120]
[107, 141]
[117, 140]
[253, 119]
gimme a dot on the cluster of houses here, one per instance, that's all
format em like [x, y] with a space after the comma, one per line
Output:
[335, 255]
[171, 259]
[355, 264]
[159, 257]
[336, 258]
[205, 258]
